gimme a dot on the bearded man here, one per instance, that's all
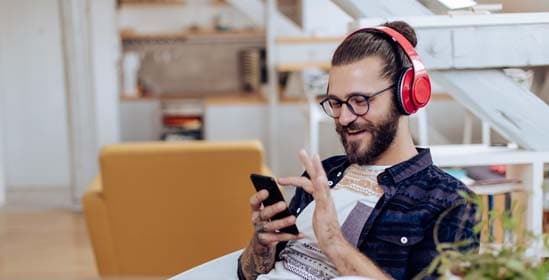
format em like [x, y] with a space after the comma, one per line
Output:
[372, 211]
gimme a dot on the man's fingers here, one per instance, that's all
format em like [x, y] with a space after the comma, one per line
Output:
[268, 238]
[302, 182]
[320, 182]
[257, 198]
[304, 158]
[318, 166]
[268, 212]
[278, 224]
[255, 218]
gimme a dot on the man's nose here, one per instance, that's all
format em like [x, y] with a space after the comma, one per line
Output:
[347, 116]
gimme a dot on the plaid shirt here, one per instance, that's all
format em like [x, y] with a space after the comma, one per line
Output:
[398, 235]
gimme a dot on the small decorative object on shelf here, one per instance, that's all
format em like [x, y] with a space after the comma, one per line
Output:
[131, 63]
[252, 68]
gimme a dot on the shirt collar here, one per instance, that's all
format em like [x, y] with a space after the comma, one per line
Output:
[408, 168]
[396, 173]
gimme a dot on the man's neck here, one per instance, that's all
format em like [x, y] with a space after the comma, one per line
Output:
[401, 149]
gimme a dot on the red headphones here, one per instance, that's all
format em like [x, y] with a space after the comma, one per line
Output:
[414, 86]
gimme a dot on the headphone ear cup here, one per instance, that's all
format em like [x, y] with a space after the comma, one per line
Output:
[404, 91]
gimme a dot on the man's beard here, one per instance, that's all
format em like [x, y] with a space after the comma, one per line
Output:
[382, 136]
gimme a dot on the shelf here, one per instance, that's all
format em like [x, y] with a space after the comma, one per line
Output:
[441, 96]
[188, 95]
[219, 98]
[299, 66]
[308, 40]
[470, 155]
[241, 99]
[188, 35]
[495, 189]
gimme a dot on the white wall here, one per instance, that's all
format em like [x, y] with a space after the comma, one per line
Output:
[323, 17]
[140, 120]
[2, 176]
[247, 121]
[34, 108]
[177, 17]
[91, 53]
[2, 127]
[105, 56]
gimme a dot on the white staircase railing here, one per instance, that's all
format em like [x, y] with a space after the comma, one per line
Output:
[255, 10]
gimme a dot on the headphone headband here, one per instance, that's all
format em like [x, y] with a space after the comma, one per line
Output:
[415, 85]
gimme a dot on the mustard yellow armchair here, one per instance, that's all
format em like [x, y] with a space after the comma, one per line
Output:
[162, 208]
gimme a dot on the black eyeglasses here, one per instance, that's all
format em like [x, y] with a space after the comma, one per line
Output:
[358, 103]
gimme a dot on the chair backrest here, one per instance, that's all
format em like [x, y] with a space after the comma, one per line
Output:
[172, 206]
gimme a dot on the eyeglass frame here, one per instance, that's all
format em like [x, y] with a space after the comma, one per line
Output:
[349, 106]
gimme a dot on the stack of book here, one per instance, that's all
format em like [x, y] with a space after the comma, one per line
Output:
[182, 121]
[496, 190]
[486, 180]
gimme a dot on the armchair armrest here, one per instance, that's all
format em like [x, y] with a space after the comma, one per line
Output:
[95, 212]
[265, 170]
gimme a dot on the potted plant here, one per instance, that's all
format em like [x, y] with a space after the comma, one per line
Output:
[516, 258]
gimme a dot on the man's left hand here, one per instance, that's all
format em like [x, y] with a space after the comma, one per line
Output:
[347, 259]
[325, 223]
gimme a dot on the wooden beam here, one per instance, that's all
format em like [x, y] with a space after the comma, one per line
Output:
[256, 10]
[513, 111]
[375, 8]
[453, 21]
[478, 41]
[350, 8]
[464, 41]
[443, 7]
[456, 42]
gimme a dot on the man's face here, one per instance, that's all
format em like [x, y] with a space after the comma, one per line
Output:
[365, 137]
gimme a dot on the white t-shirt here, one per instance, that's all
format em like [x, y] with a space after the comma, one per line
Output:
[355, 196]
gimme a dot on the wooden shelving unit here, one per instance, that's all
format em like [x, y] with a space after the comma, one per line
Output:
[121, 2]
[225, 98]
[186, 35]
[189, 95]
[294, 67]
[307, 40]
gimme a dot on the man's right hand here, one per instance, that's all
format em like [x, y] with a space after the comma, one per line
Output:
[267, 231]
[259, 256]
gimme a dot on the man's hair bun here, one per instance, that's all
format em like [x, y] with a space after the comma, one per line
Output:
[405, 29]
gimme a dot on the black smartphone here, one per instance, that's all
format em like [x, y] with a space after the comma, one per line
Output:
[268, 183]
